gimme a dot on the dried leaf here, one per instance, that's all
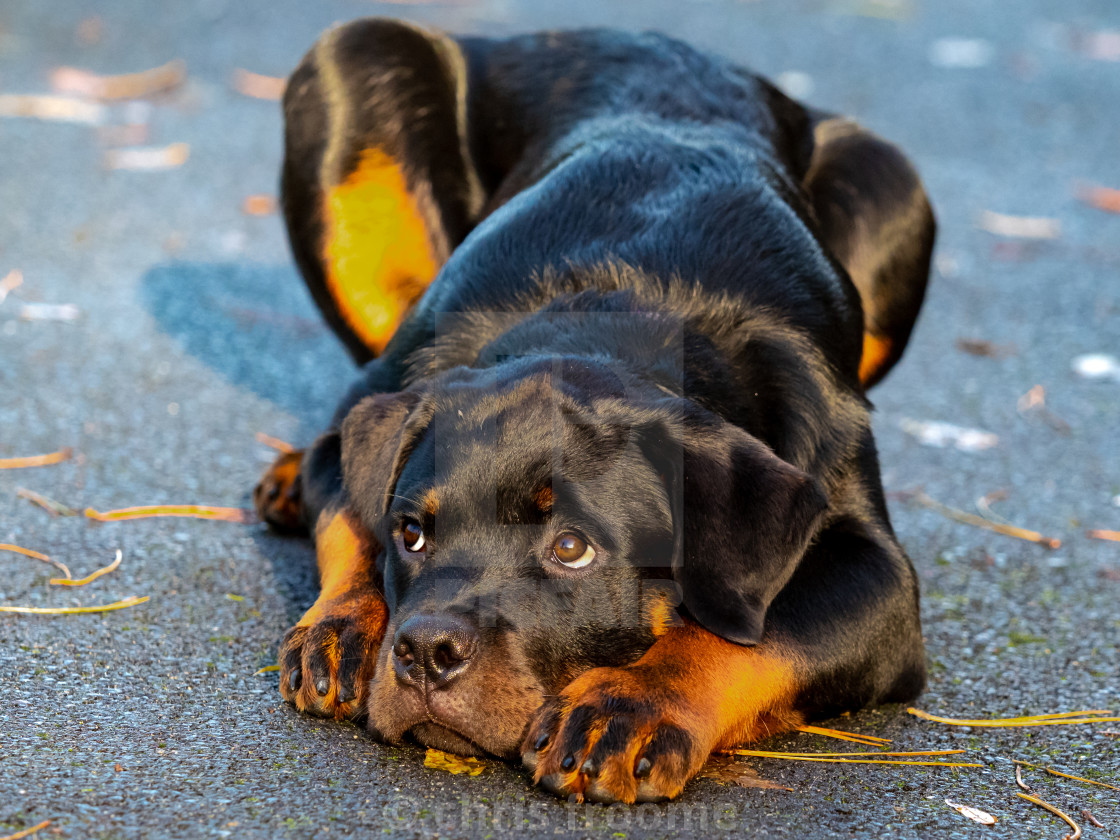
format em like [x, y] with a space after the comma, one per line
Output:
[267, 669]
[225, 514]
[49, 312]
[37, 460]
[127, 86]
[1097, 366]
[439, 760]
[258, 86]
[1103, 198]
[119, 605]
[726, 769]
[52, 108]
[974, 814]
[259, 205]
[12, 281]
[1019, 227]
[941, 435]
[979, 347]
[148, 158]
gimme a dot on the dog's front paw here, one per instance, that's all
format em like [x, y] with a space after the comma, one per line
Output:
[278, 495]
[616, 735]
[328, 659]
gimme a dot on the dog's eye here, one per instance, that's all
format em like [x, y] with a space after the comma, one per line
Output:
[572, 550]
[413, 536]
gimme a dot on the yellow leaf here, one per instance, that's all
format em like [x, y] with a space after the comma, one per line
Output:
[439, 760]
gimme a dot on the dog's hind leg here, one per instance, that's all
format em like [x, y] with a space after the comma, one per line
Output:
[378, 183]
[877, 221]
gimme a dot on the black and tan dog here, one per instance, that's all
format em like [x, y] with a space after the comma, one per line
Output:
[605, 496]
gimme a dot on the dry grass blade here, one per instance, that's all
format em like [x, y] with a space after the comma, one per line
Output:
[1091, 819]
[974, 814]
[866, 740]
[90, 577]
[27, 552]
[49, 505]
[1053, 772]
[275, 443]
[1057, 719]
[267, 669]
[37, 460]
[1034, 800]
[1019, 779]
[27, 832]
[1104, 535]
[125, 86]
[118, 605]
[980, 522]
[225, 514]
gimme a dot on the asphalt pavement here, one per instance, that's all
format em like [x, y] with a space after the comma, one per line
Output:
[193, 333]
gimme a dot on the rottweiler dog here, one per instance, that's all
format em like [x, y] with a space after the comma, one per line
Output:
[605, 496]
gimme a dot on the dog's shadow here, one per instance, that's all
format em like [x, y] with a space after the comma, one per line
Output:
[257, 327]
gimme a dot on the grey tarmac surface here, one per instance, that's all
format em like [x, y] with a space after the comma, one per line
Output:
[195, 333]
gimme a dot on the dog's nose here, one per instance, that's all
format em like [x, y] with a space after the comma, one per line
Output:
[436, 648]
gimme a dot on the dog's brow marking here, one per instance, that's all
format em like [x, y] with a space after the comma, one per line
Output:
[430, 503]
[377, 253]
[543, 499]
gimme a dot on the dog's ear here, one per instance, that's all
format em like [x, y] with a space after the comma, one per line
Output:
[743, 518]
[377, 436]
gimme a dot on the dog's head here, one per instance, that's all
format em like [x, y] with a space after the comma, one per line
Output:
[543, 517]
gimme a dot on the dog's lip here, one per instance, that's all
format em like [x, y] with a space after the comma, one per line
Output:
[443, 736]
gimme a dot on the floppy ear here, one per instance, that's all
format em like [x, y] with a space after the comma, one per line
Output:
[744, 518]
[377, 436]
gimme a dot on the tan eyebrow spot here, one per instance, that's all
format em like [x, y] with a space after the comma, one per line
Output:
[430, 503]
[543, 499]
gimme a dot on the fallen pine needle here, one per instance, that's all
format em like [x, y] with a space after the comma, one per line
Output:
[37, 460]
[275, 443]
[225, 514]
[1061, 718]
[27, 832]
[1019, 779]
[760, 753]
[1063, 775]
[50, 505]
[1036, 801]
[980, 522]
[90, 577]
[126, 86]
[148, 158]
[1103, 198]
[258, 86]
[267, 669]
[974, 814]
[867, 740]
[119, 605]
[1104, 535]
[823, 757]
[27, 552]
